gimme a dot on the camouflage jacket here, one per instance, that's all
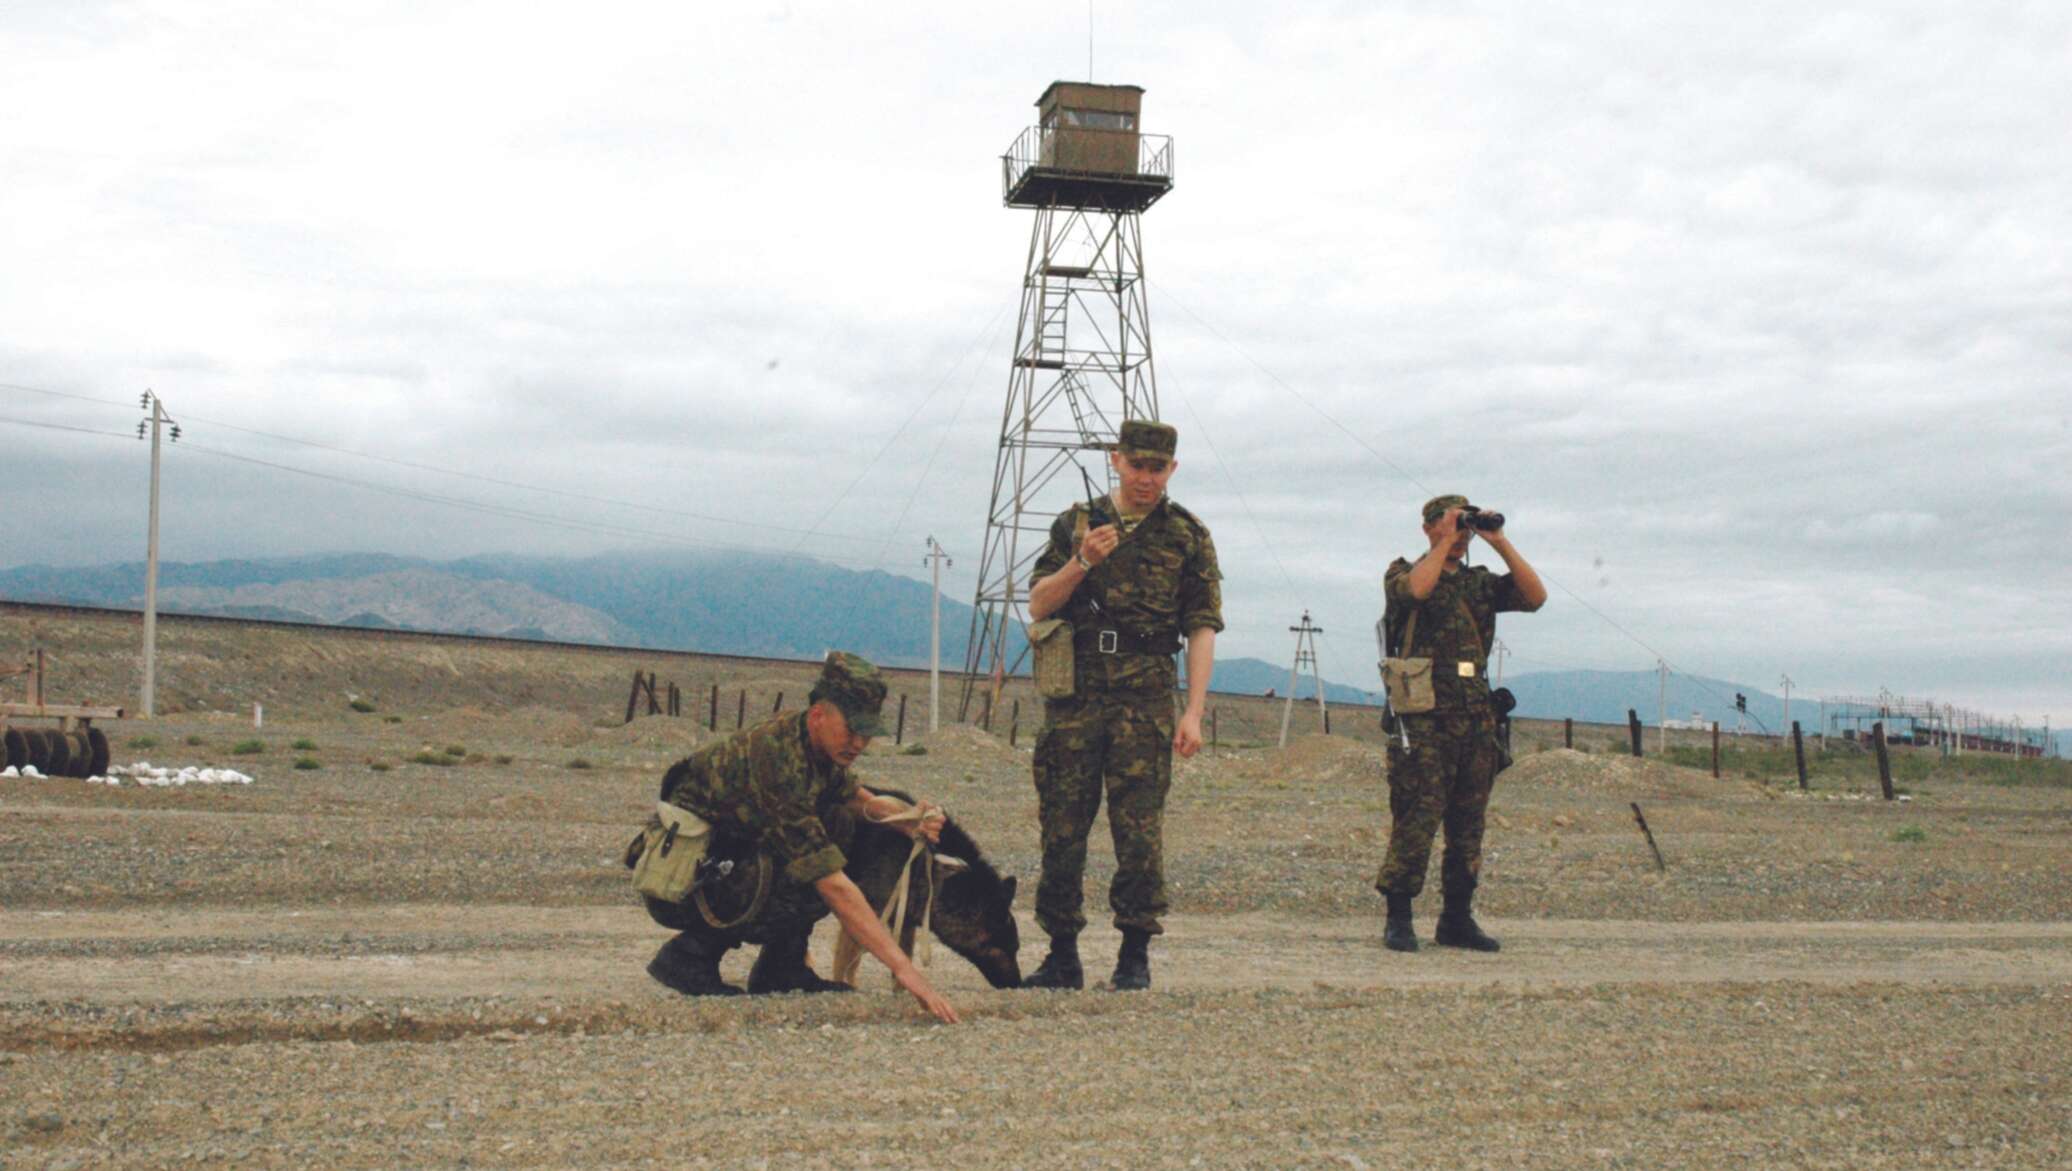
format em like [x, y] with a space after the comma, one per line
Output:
[1444, 631]
[769, 786]
[1161, 582]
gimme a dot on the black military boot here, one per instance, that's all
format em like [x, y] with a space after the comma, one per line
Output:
[1059, 969]
[690, 965]
[781, 967]
[1133, 962]
[1398, 935]
[1457, 926]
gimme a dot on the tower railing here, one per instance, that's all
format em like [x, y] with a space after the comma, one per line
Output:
[1086, 152]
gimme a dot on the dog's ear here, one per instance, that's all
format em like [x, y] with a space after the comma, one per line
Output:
[1007, 889]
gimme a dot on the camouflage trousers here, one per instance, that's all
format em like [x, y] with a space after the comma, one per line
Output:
[1443, 778]
[1121, 743]
[789, 909]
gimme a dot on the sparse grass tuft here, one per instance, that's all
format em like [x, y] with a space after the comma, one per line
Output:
[304, 745]
[248, 748]
[503, 758]
[380, 766]
[1910, 833]
[362, 705]
[914, 750]
[391, 719]
[435, 759]
[143, 742]
[455, 750]
[194, 742]
[305, 762]
[579, 763]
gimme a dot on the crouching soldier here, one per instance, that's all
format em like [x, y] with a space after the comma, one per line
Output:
[781, 805]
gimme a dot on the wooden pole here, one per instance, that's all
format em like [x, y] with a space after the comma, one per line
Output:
[1014, 723]
[1715, 750]
[741, 710]
[712, 714]
[1633, 727]
[1568, 732]
[654, 706]
[985, 715]
[1212, 726]
[633, 697]
[899, 729]
[1884, 759]
[1798, 749]
[1650, 834]
[779, 705]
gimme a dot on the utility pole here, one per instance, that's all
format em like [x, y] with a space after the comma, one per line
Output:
[1305, 652]
[157, 419]
[1662, 708]
[1500, 650]
[936, 559]
[1786, 680]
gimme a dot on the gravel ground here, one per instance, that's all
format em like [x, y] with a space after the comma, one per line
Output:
[439, 965]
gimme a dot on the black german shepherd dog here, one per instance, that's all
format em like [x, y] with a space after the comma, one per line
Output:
[973, 914]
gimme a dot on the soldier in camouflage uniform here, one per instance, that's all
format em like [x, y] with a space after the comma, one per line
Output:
[1132, 572]
[1445, 773]
[782, 804]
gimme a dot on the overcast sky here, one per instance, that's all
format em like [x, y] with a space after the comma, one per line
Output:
[1755, 318]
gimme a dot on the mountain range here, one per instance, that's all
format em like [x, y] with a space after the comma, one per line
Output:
[736, 603]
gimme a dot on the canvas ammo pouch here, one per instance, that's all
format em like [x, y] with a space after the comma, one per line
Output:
[1408, 681]
[664, 856]
[1051, 640]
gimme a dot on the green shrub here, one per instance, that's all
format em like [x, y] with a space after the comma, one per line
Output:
[194, 742]
[455, 750]
[248, 748]
[380, 766]
[435, 759]
[304, 745]
[391, 719]
[579, 762]
[914, 750]
[503, 758]
[1910, 833]
[361, 705]
[143, 742]
[304, 762]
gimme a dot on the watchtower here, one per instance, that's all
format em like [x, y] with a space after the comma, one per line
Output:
[1082, 349]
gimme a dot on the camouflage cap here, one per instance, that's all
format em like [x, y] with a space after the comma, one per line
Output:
[1436, 507]
[852, 683]
[1147, 439]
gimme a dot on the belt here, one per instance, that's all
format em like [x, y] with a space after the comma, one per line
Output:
[1109, 642]
[1469, 669]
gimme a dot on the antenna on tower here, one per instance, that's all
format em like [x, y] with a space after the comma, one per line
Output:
[1081, 364]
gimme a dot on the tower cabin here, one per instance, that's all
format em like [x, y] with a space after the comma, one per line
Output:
[1087, 151]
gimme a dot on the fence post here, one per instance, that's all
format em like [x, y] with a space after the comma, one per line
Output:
[899, 729]
[1798, 749]
[1014, 723]
[1884, 760]
[741, 710]
[779, 705]
[1715, 750]
[633, 697]
[1212, 726]
[654, 705]
[1327, 721]
[1633, 727]
[712, 716]
[1568, 731]
[985, 715]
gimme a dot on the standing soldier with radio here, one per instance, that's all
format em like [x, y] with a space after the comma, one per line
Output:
[1122, 581]
[1438, 622]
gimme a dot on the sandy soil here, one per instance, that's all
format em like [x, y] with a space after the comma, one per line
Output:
[440, 965]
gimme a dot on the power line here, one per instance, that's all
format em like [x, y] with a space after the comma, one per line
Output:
[64, 394]
[64, 427]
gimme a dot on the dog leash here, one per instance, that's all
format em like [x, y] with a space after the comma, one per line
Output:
[848, 952]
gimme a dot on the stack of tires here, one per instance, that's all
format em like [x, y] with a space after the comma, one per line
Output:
[82, 752]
